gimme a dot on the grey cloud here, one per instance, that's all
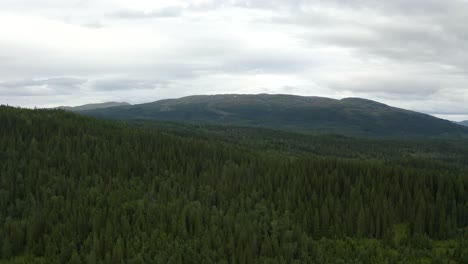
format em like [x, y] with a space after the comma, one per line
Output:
[391, 88]
[254, 4]
[125, 84]
[406, 43]
[312, 19]
[25, 91]
[38, 87]
[418, 46]
[176, 11]
[413, 7]
[438, 105]
[5, 58]
[268, 3]
[433, 94]
[288, 89]
[400, 7]
[417, 33]
[62, 82]
[167, 12]
[244, 61]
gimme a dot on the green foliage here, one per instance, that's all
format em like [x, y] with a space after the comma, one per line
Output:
[79, 190]
[7, 251]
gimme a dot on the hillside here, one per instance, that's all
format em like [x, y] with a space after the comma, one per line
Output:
[80, 190]
[464, 123]
[421, 152]
[92, 106]
[106, 190]
[350, 116]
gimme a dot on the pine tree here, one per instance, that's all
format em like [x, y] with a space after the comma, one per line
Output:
[7, 251]
[75, 258]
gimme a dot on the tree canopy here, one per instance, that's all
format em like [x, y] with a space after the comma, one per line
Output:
[75, 189]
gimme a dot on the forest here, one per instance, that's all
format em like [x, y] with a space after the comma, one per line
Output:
[76, 189]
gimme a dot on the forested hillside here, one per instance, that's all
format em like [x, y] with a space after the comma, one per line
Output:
[309, 114]
[75, 189]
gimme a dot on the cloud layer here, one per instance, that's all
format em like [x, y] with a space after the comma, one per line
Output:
[410, 54]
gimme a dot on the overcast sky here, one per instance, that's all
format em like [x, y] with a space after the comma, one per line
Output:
[407, 53]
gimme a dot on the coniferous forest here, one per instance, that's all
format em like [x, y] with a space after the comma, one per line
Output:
[76, 189]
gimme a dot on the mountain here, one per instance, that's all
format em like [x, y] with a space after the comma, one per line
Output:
[353, 116]
[464, 123]
[93, 106]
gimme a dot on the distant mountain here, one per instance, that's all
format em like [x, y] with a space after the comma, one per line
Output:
[352, 116]
[464, 123]
[93, 106]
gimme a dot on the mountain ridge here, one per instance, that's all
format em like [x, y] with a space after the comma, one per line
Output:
[464, 123]
[92, 106]
[349, 116]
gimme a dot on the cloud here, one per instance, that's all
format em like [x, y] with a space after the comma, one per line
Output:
[415, 31]
[390, 87]
[167, 12]
[52, 82]
[125, 84]
[39, 87]
[410, 54]
[93, 24]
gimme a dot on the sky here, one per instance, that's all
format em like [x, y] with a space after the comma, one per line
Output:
[406, 53]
